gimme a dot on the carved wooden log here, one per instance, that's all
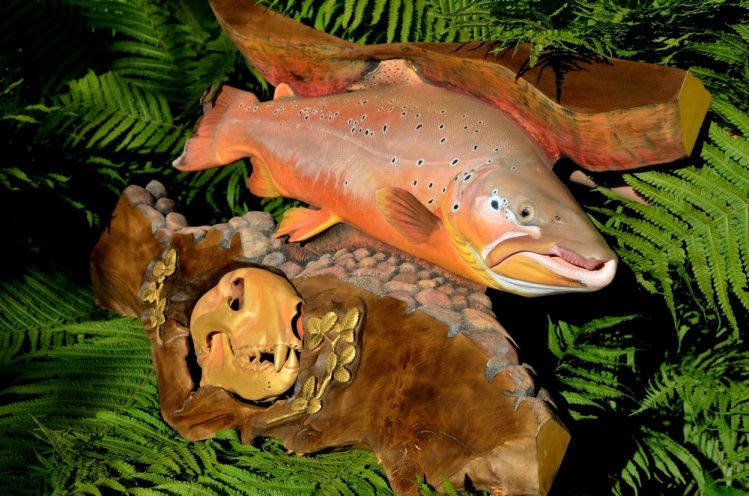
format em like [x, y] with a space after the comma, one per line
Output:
[431, 392]
[605, 115]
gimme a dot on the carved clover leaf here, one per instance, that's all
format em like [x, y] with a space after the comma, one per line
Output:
[348, 325]
[164, 268]
[156, 313]
[317, 327]
[339, 370]
[151, 293]
[307, 401]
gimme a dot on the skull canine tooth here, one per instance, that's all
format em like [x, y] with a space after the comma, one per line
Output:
[293, 361]
[280, 354]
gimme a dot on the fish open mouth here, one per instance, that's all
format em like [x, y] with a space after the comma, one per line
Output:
[556, 269]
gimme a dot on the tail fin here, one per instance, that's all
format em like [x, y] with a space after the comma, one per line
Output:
[203, 150]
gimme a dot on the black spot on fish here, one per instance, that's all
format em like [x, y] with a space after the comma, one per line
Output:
[513, 167]
[416, 181]
[441, 126]
[393, 160]
[444, 189]
[467, 178]
[475, 147]
[431, 200]
[456, 206]
[418, 126]
[418, 115]
[494, 204]
[385, 128]
[363, 116]
[454, 162]
[430, 185]
[442, 140]
[241, 105]
[420, 162]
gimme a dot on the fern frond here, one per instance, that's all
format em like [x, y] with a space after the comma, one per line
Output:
[106, 111]
[49, 39]
[702, 212]
[657, 454]
[158, 53]
[588, 370]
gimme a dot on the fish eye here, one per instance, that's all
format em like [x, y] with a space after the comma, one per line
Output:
[527, 212]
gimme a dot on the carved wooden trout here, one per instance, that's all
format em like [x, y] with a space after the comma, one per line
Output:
[438, 174]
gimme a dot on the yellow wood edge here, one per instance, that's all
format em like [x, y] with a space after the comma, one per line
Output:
[551, 443]
[694, 100]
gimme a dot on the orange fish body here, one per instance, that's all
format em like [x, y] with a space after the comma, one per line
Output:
[401, 161]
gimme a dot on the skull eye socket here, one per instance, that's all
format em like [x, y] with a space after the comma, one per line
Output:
[296, 323]
[236, 294]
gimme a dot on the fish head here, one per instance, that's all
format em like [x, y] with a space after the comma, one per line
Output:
[521, 231]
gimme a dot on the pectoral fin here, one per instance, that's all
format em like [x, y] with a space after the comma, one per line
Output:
[260, 182]
[301, 223]
[407, 214]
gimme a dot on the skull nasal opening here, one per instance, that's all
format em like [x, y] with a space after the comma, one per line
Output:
[236, 294]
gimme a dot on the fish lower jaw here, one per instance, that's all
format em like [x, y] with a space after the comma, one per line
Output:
[587, 276]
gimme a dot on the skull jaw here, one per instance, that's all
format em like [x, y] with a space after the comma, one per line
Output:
[256, 381]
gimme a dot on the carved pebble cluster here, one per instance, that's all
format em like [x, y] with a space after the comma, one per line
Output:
[420, 285]
[460, 304]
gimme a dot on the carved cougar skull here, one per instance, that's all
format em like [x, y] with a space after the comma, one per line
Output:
[247, 334]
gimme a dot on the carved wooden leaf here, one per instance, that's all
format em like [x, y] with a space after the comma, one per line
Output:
[314, 405]
[348, 355]
[298, 405]
[331, 363]
[315, 341]
[313, 325]
[170, 262]
[342, 375]
[308, 390]
[328, 321]
[351, 319]
[151, 293]
[347, 335]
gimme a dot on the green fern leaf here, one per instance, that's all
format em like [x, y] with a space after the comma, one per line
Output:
[102, 110]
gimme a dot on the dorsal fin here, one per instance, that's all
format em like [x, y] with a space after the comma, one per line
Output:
[407, 214]
[283, 90]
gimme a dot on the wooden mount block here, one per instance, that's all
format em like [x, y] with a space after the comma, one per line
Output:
[421, 394]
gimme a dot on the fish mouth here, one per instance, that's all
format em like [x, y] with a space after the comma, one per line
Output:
[553, 270]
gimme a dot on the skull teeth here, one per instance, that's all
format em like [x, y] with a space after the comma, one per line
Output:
[280, 354]
[256, 361]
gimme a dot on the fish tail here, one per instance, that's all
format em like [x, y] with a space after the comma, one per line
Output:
[204, 148]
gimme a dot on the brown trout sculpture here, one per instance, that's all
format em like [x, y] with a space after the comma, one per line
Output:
[443, 151]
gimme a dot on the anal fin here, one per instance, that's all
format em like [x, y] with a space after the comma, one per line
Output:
[407, 214]
[301, 223]
[260, 182]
